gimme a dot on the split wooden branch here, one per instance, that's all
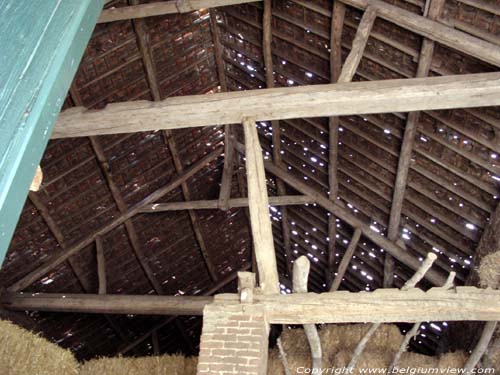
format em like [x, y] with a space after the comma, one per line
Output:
[419, 274]
[301, 268]
[283, 358]
[414, 330]
[482, 345]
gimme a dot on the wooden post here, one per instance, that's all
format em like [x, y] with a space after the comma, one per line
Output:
[101, 265]
[259, 211]
[42, 43]
[337, 27]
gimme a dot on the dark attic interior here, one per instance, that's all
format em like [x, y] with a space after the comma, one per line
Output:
[156, 187]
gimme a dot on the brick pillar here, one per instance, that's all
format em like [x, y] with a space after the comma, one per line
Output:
[234, 340]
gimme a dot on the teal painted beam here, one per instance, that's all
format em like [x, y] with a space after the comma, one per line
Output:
[42, 43]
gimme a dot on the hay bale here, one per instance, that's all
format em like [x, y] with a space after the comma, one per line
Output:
[452, 360]
[190, 365]
[158, 365]
[24, 353]
[489, 271]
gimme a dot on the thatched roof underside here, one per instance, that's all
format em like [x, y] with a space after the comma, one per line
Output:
[452, 186]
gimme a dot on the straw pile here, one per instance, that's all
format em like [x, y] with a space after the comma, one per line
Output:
[339, 342]
[489, 271]
[159, 365]
[24, 353]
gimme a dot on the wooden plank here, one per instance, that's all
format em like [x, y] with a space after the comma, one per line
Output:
[344, 263]
[259, 212]
[162, 8]
[339, 99]
[433, 30]
[424, 65]
[284, 200]
[42, 43]
[358, 45]
[101, 265]
[55, 260]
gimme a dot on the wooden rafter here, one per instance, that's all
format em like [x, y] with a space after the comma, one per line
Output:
[259, 211]
[276, 130]
[57, 259]
[192, 215]
[229, 154]
[118, 199]
[56, 232]
[400, 185]
[149, 67]
[433, 30]
[339, 99]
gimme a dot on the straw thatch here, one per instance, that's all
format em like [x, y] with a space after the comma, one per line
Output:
[489, 270]
[24, 353]
[339, 342]
[158, 365]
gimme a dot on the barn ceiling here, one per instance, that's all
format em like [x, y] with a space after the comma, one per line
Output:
[88, 182]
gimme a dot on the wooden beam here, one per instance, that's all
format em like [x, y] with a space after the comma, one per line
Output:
[267, 38]
[259, 212]
[399, 95]
[107, 303]
[57, 259]
[358, 45]
[337, 27]
[42, 44]
[285, 200]
[433, 30]
[424, 64]
[162, 8]
[382, 305]
[101, 265]
[346, 259]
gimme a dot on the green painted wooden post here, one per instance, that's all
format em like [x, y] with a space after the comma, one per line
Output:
[41, 45]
